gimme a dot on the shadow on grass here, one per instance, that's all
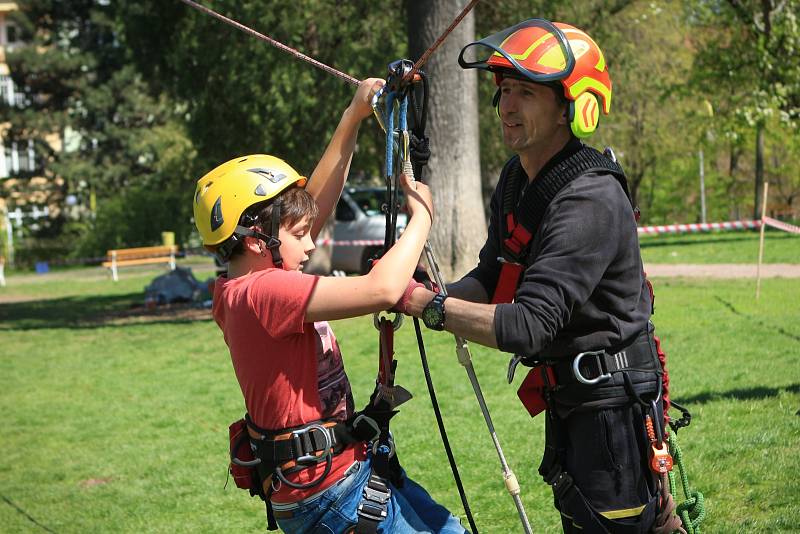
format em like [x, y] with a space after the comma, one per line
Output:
[754, 393]
[93, 312]
[756, 320]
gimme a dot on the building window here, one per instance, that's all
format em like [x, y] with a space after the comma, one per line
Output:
[8, 93]
[17, 158]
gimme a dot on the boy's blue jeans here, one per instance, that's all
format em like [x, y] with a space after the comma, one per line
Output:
[411, 509]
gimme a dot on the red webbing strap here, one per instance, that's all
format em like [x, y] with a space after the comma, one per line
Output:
[510, 272]
[531, 391]
[386, 350]
[662, 358]
[507, 283]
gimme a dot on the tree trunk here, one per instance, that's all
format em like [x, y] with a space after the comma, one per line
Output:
[453, 171]
[759, 170]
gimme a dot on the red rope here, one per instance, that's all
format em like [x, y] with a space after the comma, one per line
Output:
[273, 42]
[421, 61]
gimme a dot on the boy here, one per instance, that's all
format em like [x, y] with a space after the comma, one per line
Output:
[257, 213]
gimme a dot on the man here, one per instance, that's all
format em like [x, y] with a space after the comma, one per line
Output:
[560, 284]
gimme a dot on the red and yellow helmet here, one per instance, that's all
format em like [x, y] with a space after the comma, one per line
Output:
[545, 52]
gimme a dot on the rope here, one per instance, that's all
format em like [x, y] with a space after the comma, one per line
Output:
[308, 59]
[273, 42]
[421, 61]
[692, 510]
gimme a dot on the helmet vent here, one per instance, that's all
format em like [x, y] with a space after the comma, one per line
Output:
[269, 174]
[242, 160]
[260, 191]
[216, 215]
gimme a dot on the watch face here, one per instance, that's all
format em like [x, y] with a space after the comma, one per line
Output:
[433, 314]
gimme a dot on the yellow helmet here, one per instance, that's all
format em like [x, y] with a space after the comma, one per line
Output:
[223, 195]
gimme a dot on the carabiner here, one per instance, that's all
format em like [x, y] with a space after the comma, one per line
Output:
[397, 322]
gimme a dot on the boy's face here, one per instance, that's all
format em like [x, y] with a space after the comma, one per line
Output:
[296, 244]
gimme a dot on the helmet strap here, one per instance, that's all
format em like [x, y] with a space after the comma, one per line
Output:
[273, 243]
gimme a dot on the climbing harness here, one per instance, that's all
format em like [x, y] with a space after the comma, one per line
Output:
[590, 379]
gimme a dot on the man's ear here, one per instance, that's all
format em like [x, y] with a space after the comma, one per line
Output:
[565, 116]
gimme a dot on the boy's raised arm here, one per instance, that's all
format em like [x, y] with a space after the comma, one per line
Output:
[327, 180]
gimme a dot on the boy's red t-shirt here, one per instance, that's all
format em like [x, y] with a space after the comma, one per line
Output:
[290, 371]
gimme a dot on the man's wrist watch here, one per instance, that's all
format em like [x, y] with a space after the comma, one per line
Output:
[433, 313]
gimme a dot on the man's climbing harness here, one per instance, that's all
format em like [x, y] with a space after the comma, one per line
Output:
[591, 379]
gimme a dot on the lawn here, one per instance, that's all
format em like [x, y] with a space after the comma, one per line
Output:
[720, 247]
[115, 419]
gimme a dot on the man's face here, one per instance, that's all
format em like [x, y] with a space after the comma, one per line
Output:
[531, 115]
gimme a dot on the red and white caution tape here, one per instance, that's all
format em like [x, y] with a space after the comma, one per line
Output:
[643, 230]
[353, 243]
[698, 227]
[780, 225]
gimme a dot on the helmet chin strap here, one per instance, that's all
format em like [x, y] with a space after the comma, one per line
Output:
[270, 241]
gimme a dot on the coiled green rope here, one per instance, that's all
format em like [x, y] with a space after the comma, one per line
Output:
[692, 510]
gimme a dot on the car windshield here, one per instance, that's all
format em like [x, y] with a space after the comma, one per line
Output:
[370, 200]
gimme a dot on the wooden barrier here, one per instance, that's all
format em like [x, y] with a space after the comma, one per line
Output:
[139, 256]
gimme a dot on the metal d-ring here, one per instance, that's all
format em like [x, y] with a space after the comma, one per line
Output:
[397, 322]
[577, 371]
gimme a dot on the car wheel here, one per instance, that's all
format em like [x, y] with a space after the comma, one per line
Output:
[368, 254]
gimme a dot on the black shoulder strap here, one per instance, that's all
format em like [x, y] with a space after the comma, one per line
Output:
[541, 192]
[530, 210]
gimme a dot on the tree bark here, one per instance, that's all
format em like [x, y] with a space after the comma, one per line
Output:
[453, 171]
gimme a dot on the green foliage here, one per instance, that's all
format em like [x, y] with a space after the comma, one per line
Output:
[244, 96]
[113, 136]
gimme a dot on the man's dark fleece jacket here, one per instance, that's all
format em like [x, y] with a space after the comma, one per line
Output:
[584, 288]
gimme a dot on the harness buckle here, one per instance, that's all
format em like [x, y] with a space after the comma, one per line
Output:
[370, 422]
[603, 374]
[305, 458]
[375, 496]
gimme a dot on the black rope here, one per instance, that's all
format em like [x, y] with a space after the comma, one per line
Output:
[442, 431]
[26, 515]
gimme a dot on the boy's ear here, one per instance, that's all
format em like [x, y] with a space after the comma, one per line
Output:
[252, 244]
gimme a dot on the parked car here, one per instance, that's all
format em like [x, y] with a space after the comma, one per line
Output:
[359, 218]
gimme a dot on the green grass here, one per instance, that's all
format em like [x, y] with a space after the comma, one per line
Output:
[720, 247]
[123, 426]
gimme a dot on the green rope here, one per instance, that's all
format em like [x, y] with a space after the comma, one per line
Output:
[692, 510]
